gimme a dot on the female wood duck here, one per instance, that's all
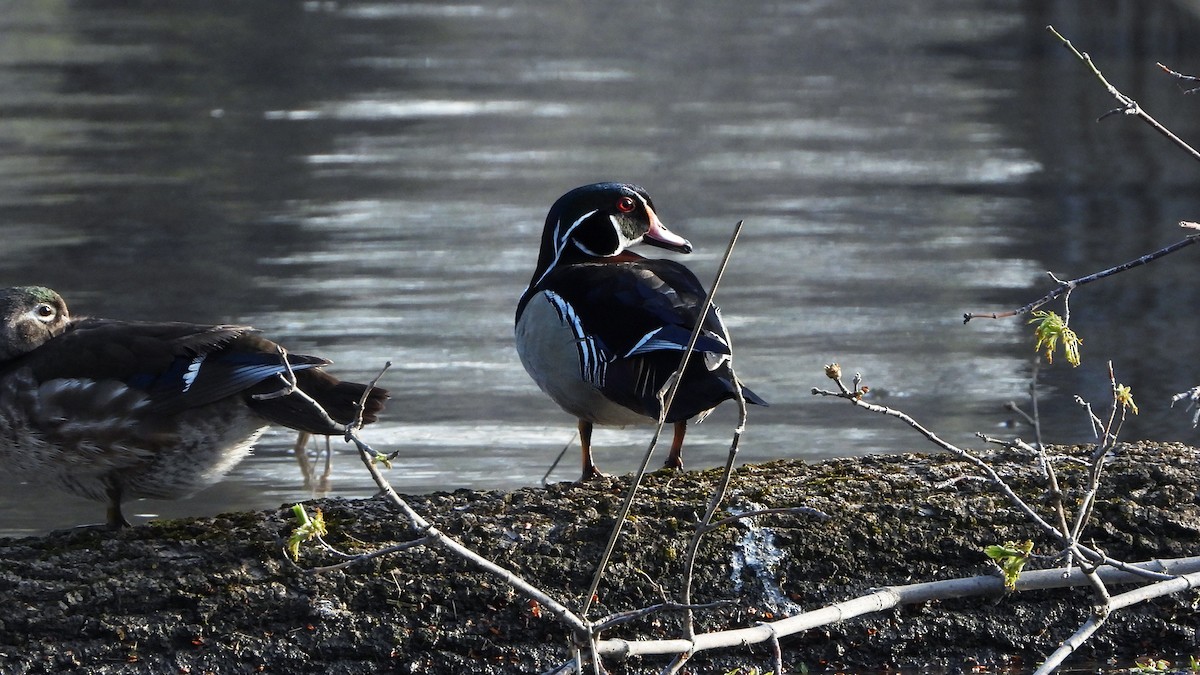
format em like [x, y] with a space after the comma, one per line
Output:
[601, 329]
[115, 410]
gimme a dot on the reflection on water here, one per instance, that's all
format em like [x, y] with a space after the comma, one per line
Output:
[368, 182]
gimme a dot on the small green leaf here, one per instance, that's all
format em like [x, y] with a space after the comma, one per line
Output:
[1011, 557]
[1125, 398]
[383, 459]
[307, 530]
[1050, 329]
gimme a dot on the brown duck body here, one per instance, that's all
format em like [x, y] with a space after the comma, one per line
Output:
[114, 410]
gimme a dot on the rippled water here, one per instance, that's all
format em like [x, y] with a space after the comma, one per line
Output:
[367, 181]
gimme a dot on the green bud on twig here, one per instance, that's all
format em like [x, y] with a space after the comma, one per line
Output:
[1125, 398]
[1011, 557]
[307, 530]
[1050, 329]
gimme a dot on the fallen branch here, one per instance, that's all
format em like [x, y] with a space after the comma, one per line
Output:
[1184, 573]
[1185, 581]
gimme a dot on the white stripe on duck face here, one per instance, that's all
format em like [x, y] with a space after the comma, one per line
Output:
[560, 243]
[593, 362]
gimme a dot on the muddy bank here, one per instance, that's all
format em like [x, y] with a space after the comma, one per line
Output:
[218, 594]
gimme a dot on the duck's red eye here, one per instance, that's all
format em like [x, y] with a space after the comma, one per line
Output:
[626, 204]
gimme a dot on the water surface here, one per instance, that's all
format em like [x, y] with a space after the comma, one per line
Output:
[368, 181]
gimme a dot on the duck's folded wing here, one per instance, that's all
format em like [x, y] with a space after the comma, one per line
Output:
[638, 308]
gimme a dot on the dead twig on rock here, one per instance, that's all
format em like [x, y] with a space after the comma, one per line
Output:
[718, 496]
[1068, 532]
[438, 538]
[625, 617]
[1180, 573]
[623, 512]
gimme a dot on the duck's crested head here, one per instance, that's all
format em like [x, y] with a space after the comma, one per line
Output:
[31, 315]
[601, 220]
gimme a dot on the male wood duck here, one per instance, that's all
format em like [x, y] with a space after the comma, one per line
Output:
[602, 329]
[116, 410]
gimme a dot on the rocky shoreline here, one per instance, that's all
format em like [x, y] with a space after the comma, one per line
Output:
[219, 594]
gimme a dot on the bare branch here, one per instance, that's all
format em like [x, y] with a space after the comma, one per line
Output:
[1128, 105]
[714, 503]
[362, 557]
[288, 377]
[561, 453]
[1187, 569]
[623, 513]
[1065, 287]
[1192, 396]
[437, 538]
[1177, 584]
[1092, 556]
[362, 401]
[949, 447]
[625, 617]
[1182, 78]
[1068, 647]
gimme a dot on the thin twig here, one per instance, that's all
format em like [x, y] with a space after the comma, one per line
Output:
[288, 376]
[438, 538]
[677, 663]
[1182, 77]
[363, 557]
[1128, 105]
[317, 408]
[1048, 470]
[1033, 402]
[1176, 584]
[666, 406]
[362, 400]
[1068, 286]
[561, 453]
[1093, 418]
[776, 652]
[1068, 646]
[1094, 557]
[856, 399]
[1184, 574]
[1098, 457]
[714, 503]
[604, 624]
